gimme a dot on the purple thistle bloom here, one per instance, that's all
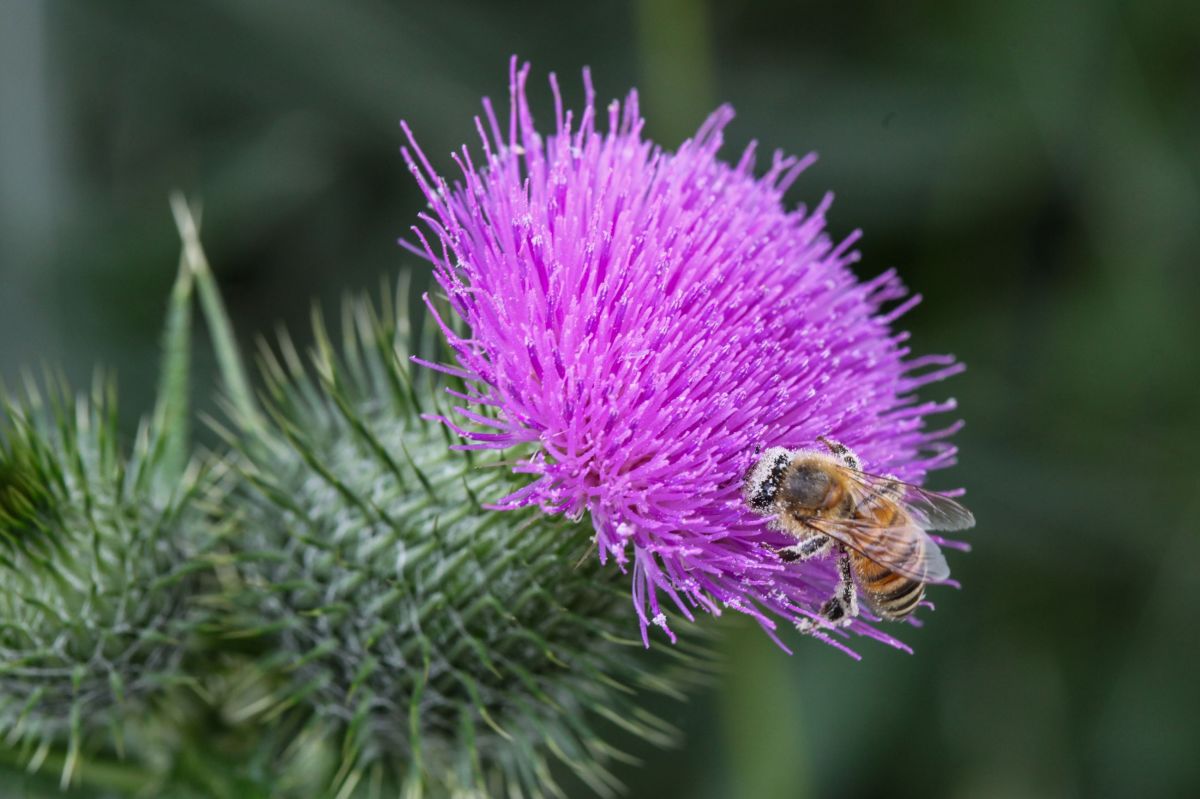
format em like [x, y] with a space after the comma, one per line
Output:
[646, 320]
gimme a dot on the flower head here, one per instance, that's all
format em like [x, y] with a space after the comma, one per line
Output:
[639, 322]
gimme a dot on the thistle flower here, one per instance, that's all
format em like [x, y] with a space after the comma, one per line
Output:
[639, 322]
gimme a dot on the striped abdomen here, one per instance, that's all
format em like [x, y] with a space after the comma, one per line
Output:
[890, 595]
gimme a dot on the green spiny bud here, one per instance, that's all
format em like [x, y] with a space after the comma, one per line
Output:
[448, 649]
[96, 571]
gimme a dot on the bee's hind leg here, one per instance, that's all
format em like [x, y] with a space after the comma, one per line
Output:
[841, 608]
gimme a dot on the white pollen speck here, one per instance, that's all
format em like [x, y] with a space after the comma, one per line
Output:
[660, 620]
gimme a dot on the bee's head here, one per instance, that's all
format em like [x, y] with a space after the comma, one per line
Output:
[763, 483]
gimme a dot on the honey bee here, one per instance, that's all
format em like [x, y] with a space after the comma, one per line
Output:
[877, 526]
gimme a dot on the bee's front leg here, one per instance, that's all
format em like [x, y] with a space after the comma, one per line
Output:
[841, 451]
[808, 548]
[841, 608]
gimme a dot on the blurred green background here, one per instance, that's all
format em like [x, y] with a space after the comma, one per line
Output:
[1031, 168]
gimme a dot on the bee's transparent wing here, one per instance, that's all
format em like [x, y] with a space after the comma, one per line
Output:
[905, 549]
[928, 510]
